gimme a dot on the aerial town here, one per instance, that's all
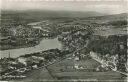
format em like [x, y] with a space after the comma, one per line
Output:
[37, 48]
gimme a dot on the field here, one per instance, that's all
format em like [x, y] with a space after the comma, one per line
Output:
[37, 75]
[71, 62]
[111, 31]
[64, 70]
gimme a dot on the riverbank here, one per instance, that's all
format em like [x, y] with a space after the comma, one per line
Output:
[9, 47]
[44, 44]
[25, 45]
[11, 68]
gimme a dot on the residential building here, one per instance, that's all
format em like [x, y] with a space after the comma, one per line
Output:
[22, 60]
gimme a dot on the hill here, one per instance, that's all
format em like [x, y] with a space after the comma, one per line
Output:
[113, 17]
[49, 13]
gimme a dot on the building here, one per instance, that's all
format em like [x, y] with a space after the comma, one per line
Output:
[109, 62]
[76, 58]
[22, 60]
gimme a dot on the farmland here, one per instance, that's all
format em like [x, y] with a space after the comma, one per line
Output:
[65, 70]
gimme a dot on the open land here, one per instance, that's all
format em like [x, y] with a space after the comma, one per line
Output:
[93, 48]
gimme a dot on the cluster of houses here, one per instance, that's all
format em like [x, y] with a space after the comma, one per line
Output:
[44, 27]
[110, 62]
[106, 61]
[73, 40]
[30, 60]
[12, 67]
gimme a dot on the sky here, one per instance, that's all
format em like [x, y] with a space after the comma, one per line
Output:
[112, 7]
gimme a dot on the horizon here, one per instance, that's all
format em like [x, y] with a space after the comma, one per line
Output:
[33, 10]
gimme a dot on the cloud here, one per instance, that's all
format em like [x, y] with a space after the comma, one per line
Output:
[105, 7]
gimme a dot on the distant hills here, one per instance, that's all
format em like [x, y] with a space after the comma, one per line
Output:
[48, 13]
[28, 16]
[114, 17]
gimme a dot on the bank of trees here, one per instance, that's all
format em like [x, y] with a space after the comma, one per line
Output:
[112, 45]
[118, 23]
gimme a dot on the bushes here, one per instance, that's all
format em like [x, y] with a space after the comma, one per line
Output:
[118, 23]
[108, 45]
[112, 45]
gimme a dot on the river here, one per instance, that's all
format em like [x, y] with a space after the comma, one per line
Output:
[45, 44]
